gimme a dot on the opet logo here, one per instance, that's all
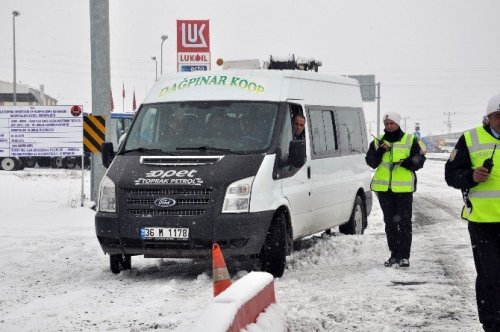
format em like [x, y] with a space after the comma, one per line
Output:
[194, 34]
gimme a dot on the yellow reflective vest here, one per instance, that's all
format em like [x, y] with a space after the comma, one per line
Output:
[484, 198]
[390, 174]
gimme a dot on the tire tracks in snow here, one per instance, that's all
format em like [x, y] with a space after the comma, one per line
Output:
[439, 221]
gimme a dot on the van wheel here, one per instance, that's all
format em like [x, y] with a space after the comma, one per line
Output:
[126, 262]
[356, 223]
[120, 262]
[114, 263]
[273, 254]
[9, 164]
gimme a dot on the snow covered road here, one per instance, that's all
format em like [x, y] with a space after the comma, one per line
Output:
[55, 276]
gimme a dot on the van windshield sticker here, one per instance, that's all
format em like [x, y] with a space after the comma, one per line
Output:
[251, 86]
[182, 177]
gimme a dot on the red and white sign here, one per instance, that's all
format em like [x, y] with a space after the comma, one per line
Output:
[193, 42]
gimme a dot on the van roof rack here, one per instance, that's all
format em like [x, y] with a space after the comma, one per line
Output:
[274, 63]
[290, 62]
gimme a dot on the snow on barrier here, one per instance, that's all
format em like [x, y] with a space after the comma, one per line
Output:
[239, 305]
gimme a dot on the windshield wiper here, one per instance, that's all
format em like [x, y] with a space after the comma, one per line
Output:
[206, 148]
[148, 151]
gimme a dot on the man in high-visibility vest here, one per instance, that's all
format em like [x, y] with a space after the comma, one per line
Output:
[474, 168]
[396, 155]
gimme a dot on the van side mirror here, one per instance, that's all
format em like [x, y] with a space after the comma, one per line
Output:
[297, 153]
[108, 153]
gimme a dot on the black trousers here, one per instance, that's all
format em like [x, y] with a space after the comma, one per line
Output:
[397, 209]
[485, 239]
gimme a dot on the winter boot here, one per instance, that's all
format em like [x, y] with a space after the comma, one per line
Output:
[390, 262]
[404, 263]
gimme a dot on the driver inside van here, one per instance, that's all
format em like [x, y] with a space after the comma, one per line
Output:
[249, 129]
[176, 125]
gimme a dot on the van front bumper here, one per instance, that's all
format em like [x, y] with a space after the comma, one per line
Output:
[240, 234]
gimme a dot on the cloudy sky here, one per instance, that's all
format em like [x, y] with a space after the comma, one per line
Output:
[434, 58]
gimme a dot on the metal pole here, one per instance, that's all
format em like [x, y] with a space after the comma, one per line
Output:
[156, 67]
[163, 38]
[14, 14]
[378, 109]
[82, 196]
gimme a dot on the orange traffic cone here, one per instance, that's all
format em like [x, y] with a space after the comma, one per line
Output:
[220, 273]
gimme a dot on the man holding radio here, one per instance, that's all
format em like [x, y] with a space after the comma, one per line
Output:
[396, 156]
[474, 168]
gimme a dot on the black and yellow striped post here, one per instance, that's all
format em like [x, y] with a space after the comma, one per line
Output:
[94, 130]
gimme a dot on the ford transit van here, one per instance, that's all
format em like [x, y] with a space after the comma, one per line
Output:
[211, 157]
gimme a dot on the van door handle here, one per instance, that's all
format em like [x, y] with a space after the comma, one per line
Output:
[308, 172]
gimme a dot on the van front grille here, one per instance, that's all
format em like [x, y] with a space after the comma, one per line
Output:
[161, 213]
[181, 201]
[189, 202]
[166, 191]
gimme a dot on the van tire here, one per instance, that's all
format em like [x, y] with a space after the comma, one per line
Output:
[114, 263]
[126, 262]
[357, 221]
[273, 253]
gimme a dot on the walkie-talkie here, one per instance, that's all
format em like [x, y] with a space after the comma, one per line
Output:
[381, 141]
[488, 163]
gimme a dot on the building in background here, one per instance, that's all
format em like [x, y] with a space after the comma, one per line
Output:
[25, 95]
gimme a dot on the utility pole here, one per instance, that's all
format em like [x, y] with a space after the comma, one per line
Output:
[100, 80]
[448, 122]
[378, 109]
[14, 82]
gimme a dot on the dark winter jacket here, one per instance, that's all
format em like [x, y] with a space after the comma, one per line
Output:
[413, 163]
[458, 169]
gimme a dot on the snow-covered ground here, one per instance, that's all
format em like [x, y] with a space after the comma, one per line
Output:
[54, 275]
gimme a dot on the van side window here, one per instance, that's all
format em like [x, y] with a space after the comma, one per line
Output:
[352, 130]
[287, 135]
[324, 136]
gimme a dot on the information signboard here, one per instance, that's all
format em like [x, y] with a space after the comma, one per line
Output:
[193, 45]
[50, 131]
[367, 85]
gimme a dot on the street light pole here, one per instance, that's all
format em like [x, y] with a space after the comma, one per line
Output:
[163, 38]
[156, 67]
[378, 109]
[14, 14]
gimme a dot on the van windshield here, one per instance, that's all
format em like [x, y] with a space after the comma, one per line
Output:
[231, 126]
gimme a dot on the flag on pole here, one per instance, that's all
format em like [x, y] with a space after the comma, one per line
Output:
[112, 103]
[134, 104]
[123, 95]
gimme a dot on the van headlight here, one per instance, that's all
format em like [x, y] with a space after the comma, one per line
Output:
[107, 197]
[237, 199]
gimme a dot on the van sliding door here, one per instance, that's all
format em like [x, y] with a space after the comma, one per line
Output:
[327, 169]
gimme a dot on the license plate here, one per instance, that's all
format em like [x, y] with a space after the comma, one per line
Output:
[164, 233]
